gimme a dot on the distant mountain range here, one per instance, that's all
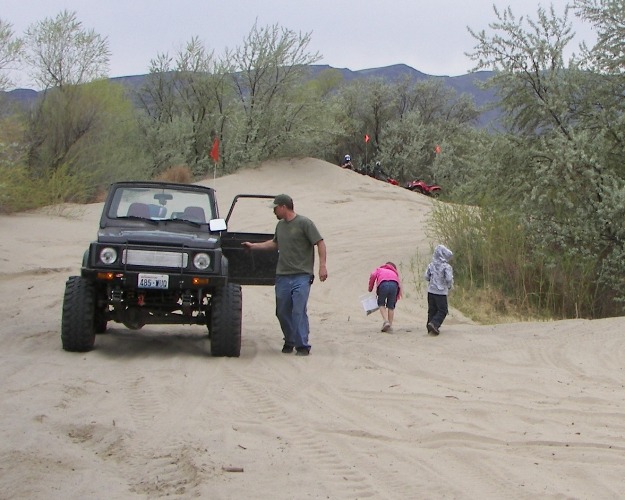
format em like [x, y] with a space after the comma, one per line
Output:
[463, 84]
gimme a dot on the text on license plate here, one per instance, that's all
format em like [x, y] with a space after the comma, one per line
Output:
[153, 281]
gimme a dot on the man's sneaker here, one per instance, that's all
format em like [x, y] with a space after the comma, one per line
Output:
[432, 329]
[302, 351]
[386, 326]
[286, 349]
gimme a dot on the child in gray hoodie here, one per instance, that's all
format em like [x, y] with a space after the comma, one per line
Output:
[440, 277]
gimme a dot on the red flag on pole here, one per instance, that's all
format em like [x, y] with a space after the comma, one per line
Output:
[215, 150]
[437, 149]
[366, 138]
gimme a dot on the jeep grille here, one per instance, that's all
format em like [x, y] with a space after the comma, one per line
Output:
[154, 258]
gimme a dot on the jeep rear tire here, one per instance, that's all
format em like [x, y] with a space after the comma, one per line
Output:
[77, 325]
[225, 328]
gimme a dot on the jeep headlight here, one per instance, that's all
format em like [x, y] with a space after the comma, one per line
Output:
[201, 261]
[108, 255]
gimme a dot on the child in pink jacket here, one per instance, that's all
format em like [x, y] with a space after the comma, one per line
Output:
[386, 279]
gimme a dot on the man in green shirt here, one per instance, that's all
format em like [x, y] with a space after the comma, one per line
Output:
[295, 239]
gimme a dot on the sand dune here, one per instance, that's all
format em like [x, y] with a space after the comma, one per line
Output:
[525, 410]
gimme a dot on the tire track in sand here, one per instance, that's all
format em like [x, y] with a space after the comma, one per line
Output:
[277, 409]
[165, 466]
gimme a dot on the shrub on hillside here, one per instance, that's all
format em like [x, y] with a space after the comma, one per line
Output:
[176, 173]
[495, 256]
[20, 191]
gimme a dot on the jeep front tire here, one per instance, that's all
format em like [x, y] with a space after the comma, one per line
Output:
[225, 327]
[77, 325]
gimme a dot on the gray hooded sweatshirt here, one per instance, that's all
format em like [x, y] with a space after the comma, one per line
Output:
[439, 272]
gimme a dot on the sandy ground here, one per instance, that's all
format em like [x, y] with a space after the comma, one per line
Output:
[526, 410]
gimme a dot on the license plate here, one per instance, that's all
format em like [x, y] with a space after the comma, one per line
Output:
[153, 281]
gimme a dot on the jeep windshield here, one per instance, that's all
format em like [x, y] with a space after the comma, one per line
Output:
[161, 204]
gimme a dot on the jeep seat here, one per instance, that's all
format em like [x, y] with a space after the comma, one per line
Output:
[195, 214]
[139, 210]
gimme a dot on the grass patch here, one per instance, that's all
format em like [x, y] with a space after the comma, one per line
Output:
[500, 275]
[490, 307]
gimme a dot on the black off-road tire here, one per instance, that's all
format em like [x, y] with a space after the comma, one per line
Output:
[225, 327]
[78, 322]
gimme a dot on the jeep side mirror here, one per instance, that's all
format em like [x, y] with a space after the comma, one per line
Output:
[216, 225]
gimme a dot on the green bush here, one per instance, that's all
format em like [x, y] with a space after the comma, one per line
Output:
[498, 272]
[19, 191]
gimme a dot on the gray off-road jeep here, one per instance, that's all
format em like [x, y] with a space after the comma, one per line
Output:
[164, 256]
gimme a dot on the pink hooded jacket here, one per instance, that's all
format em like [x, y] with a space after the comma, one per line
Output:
[385, 272]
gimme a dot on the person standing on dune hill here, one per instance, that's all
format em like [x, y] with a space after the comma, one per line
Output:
[295, 239]
[440, 277]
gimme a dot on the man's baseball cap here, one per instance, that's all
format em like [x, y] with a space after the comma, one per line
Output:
[282, 199]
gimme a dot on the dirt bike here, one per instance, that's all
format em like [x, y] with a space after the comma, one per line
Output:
[422, 187]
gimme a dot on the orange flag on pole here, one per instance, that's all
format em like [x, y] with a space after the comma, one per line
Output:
[215, 150]
[366, 138]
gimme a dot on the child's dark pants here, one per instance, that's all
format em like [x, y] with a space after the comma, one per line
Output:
[437, 309]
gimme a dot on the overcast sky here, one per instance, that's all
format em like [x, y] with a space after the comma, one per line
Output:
[430, 36]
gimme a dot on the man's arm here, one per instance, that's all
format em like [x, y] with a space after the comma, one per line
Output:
[321, 250]
[261, 245]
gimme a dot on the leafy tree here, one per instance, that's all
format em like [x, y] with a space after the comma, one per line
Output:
[61, 52]
[89, 130]
[185, 100]
[406, 120]
[82, 132]
[269, 67]
[350, 117]
[558, 170]
[255, 99]
[377, 110]
[368, 106]
[608, 18]
[63, 57]
[311, 125]
[527, 57]
[446, 121]
[435, 102]
[407, 144]
[10, 51]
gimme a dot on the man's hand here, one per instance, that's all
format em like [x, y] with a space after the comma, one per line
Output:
[323, 272]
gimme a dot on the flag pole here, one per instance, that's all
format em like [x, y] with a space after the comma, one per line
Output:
[366, 151]
[214, 154]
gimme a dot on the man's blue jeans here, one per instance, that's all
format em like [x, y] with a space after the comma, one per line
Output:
[292, 293]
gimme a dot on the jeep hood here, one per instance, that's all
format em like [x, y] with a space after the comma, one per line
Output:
[120, 236]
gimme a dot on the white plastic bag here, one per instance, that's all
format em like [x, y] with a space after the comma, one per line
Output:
[369, 303]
